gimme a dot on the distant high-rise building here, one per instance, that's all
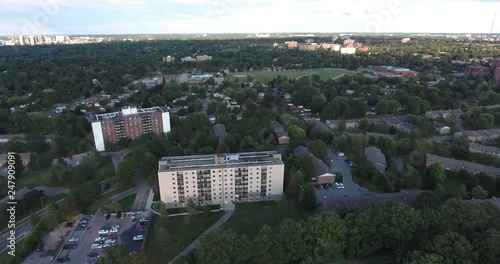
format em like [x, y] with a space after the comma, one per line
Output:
[129, 123]
[291, 44]
[21, 40]
[32, 40]
[497, 75]
[476, 71]
[347, 50]
[203, 58]
[495, 63]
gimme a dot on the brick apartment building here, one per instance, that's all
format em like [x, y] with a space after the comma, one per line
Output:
[129, 123]
[476, 71]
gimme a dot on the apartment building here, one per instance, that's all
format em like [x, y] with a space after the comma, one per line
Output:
[129, 123]
[221, 178]
[478, 148]
[443, 113]
[482, 135]
[476, 71]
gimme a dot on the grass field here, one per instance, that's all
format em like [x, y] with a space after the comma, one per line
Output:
[32, 179]
[182, 233]
[264, 75]
[248, 218]
[105, 171]
[127, 201]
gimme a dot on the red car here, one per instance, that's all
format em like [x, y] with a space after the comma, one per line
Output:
[317, 187]
[112, 237]
[141, 227]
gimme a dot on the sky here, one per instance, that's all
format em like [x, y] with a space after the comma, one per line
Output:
[34, 17]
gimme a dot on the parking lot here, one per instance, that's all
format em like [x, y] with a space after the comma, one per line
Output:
[86, 236]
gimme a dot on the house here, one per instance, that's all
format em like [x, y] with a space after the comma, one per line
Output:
[443, 113]
[398, 122]
[442, 129]
[478, 148]
[322, 172]
[349, 123]
[25, 157]
[377, 158]
[358, 202]
[453, 164]
[482, 135]
[220, 132]
[280, 133]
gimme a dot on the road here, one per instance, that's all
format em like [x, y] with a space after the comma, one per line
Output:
[143, 192]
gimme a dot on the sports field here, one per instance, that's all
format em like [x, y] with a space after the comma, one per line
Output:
[264, 75]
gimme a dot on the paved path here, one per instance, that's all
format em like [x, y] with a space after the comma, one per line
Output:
[219, 223]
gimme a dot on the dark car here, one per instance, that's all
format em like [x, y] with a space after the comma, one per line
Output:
[62, 259]
[70, 246]
[87, 217]
[330, 185]
[108, 216]
[79, 228]
[92, 254]
[325, 186]
[118, 215]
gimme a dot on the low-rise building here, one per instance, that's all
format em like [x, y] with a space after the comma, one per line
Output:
[322, 172]
[280, 133]
[347, 50]
[442, 129]
[453, 164]
[482, 135]
[349, 123]
[221, 178]
[25, 158]
[398, 122]
[476, 71]
[377, 158]
[478, 148]
[443, 113]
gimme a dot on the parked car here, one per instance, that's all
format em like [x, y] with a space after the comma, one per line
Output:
[330, 185]
[74, 239]
[143, 220]
[118, 215]
[62, 259]
[337, 185]
[79, 228]
[103, 231]
[92, 254]
[132, 216]
[340, 154]
[317, 187]
[123, 217]
[87, 217]
[112, 237]
[141, 227]
[106, 245]
[113, 230]
[70, 246]
[96, 246]
[341, 185]
[100, 238]
[108, 216]
[325, 186]
[138, 237]
[110, 241]
[117, 226]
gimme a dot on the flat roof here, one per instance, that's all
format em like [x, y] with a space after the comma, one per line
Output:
[115, 115]
[232, 160]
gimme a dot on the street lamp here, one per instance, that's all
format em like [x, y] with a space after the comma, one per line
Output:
[41, 200]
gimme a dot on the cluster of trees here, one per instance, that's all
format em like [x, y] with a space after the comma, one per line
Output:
[26, 205]
[448, 231]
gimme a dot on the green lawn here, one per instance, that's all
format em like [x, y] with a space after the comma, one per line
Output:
[264, 75]
[182, 233]
[368, 184]
[183, 210]
[127, 201]
[248, 218]
[105, 171]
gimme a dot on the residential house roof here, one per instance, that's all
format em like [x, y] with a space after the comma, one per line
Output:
[377, 158]
[484, 148]
[471, 166]
[490, 133]
[398, 122]
[377, 135]
[278, 129]
[320, 167]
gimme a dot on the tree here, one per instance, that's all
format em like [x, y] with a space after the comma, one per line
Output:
[125, 173]
[149, 166]
[163, 213]
[231, 248]
[479, 192]
[34, 161]
[34, 219]
[263, 245]
[487, 244]
[207, 210]
[326, 236]
[309, 197]
[110, 206]
[319, 149]
[435, 175]
[292, 188]
[163, 238]
[453, 248]
[115, 254]
[297, 135]
[192, 209]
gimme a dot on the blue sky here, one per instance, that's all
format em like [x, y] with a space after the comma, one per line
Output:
[26, 17]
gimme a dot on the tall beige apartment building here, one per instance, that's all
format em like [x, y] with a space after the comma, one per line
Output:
[221, 178]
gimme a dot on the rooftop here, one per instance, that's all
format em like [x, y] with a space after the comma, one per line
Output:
[463, 164]
[377, 158]
[227, 160]
[278, 129]
[484, 148]
[126, 112]
[320, 167]
[486, 133]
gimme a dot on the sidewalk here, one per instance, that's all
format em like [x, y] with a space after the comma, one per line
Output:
[229, 209]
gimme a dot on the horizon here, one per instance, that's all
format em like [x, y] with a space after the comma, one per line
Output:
[142, 17]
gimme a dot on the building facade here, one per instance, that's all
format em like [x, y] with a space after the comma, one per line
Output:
[221, 178]
[476, 71]
[129, 123]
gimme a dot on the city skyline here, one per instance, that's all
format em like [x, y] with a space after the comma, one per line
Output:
[98, 17]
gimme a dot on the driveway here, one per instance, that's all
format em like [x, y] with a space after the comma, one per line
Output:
[350, 187]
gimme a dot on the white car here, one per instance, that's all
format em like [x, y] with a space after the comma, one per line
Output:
[132, 216]
[106, 245]
[103, 231]
[138, 237]
[96, 245]
[100, 238]
[143, 220]
[113, 230]
[74, 239]
[110, 241]
[337, 185]
[340, 154]
[117, 226]
[341, 185]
